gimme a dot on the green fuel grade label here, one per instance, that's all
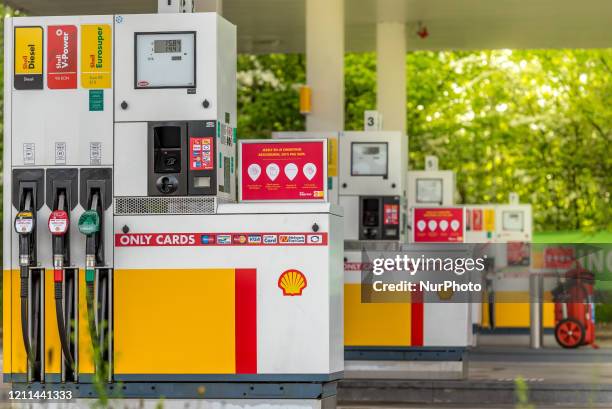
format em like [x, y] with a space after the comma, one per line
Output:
[96, 100]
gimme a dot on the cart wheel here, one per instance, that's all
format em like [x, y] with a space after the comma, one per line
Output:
[569, 333]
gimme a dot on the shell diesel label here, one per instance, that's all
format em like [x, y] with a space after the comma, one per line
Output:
[96, 59]
[28, 58]
[62, 57]
[292, 282]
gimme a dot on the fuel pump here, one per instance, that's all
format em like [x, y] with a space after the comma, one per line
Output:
[30, 277]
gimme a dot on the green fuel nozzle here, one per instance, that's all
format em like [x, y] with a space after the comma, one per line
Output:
[89, 225]
[89, 222]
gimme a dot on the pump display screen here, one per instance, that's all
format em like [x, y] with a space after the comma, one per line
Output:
[512, 220]
[167, 46]
[369, 158]
[165, 60]
[429, 191]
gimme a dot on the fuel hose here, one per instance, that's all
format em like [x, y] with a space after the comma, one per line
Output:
[89, 224]
[25, 244]
[59, 243]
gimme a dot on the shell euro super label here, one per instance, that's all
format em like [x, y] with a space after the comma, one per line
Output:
[96, 56]
[28, 49]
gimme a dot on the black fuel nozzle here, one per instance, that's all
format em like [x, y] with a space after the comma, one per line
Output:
[25, 225]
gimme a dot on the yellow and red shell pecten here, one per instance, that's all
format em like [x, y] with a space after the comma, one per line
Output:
[292, 282]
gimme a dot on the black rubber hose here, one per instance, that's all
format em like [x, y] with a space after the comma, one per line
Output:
[61, 325]
[69, 311]
[93, 330]
[103, 306]
[35, 327]
[24, 311]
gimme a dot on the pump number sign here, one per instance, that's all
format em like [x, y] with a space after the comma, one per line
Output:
[278, 170]
[438, 225]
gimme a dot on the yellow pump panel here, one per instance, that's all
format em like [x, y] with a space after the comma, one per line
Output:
[86, 362]
[17, 356]
[7, 319]
[374, 324]
[516, 314]
[53, 347]
[174, 321]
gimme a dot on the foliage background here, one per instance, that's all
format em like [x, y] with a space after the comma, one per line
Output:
[536, 122]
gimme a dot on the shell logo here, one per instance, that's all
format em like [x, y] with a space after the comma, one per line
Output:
[445, 295]
[292, 282]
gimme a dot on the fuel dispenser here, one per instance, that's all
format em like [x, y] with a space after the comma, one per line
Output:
[431, 187]
[156, 278]
[58, 130]
[373, 185]
[506, 229]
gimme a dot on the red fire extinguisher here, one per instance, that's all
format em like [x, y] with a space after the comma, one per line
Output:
[575, 310]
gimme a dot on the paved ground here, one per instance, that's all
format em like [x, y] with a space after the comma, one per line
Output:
[471, 406]
[554, 365]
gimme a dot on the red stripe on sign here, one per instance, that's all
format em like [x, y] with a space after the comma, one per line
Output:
[416, 319]
[246, 321]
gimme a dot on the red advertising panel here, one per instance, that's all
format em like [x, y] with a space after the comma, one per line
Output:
[62, 57]
[438, 225]
[283, 170]
[559, 257]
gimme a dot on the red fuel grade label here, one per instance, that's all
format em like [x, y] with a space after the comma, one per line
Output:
[62, 57]
[201, 155]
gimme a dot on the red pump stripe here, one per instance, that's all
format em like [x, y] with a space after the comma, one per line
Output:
[416, 319]
[246, 321]
[58, 275]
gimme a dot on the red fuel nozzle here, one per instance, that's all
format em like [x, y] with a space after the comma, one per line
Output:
[59, 222]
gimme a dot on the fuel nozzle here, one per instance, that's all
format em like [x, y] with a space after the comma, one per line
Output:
[89, 225]
[58, 226]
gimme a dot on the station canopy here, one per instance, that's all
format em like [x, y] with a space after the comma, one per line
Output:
[278, 26]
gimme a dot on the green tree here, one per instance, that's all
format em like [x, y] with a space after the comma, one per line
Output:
[538, 123]
[268, 94]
